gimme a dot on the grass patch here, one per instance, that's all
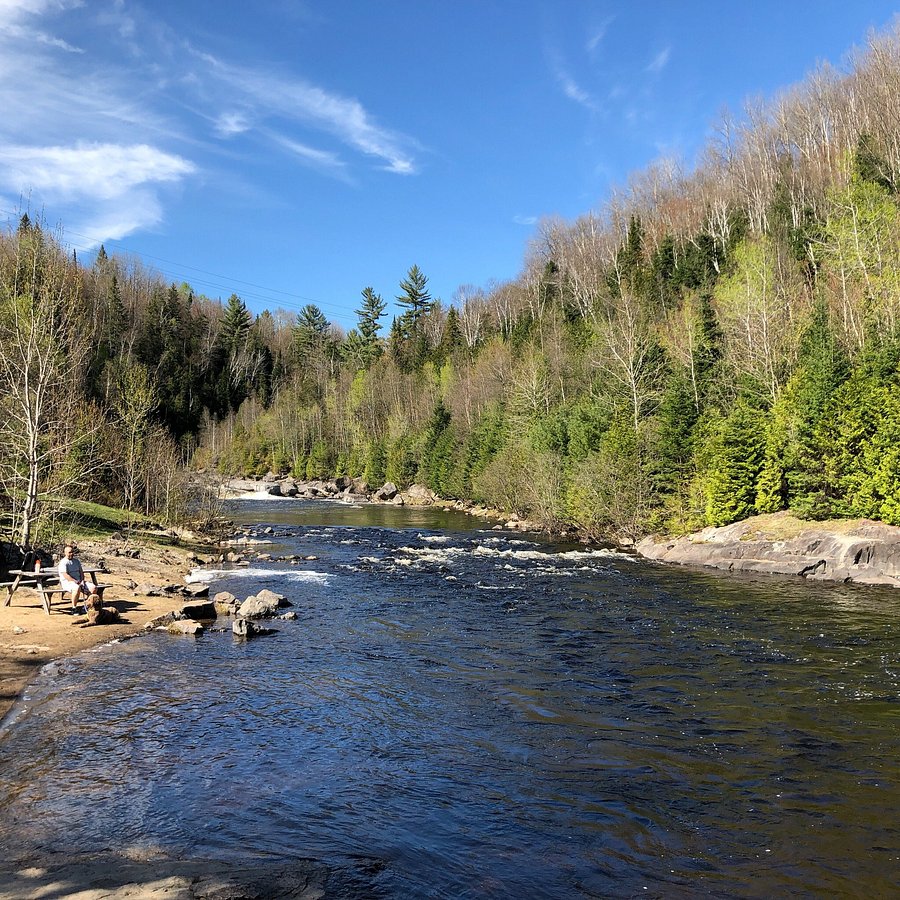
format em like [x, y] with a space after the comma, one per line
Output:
[783, 526]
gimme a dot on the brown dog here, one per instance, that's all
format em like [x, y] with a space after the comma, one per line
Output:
[97, 614]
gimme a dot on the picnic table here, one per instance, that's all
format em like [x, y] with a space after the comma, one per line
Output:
[46, 583]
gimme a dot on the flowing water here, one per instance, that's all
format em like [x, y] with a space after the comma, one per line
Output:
[478, 713]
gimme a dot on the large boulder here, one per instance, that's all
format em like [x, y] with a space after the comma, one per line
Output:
[386, 492]
[360, 486]
[419, 495]
[274, 490]
[263, 605]
[289, 488]
[199, 610]
[254, 608]
[226, 603]
[270, 596]
[184, 626]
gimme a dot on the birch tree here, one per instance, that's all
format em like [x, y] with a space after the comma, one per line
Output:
[41, 357]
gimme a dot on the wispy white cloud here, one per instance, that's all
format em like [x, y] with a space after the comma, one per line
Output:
[525, 220]
[659, 62]
[103, 137]
[323, 160]
[229, 124]
[596, 37]
[299, 101]
[569, 86]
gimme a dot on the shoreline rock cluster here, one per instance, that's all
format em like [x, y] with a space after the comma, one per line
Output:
[199, 615]
[358, 490]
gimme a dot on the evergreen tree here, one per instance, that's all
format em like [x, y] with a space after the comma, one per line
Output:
[235, 324]
[369, 316]
[310, 332]
[414, 297]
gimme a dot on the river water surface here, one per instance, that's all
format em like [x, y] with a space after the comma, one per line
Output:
[481, 713]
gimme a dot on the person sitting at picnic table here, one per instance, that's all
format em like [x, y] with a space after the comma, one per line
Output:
[71, 577]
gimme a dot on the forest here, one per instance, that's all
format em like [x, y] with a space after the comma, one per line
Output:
[709, 344]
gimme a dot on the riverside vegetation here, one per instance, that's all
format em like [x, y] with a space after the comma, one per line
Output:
[709, 345]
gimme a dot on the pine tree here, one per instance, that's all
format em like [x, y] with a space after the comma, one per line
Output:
[414, 297]
[370, 314]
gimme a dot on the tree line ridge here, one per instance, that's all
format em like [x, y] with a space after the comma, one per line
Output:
[709, 345]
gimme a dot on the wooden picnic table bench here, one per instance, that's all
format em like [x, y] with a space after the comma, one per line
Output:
[46, 583]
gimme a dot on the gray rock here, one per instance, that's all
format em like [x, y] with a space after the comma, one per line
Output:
[386, 492]
[270, 596]
[419, 495]
[200, 610]
[289, 488]
[197, 590]
[274, 490]
[256, 607]
[148, 590]
[161, 622]
[288, 616]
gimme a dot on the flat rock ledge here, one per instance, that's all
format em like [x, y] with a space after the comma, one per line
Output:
[859, 551]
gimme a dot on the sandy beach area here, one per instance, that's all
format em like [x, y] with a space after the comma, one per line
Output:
[29, 638]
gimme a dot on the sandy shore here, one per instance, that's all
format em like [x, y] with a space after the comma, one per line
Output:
[29, 638]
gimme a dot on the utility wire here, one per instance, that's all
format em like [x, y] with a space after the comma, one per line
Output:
[225, 283]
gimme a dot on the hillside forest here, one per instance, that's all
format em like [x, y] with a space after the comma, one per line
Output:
[709, 344]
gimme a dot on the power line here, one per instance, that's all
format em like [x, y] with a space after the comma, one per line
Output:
[296, 301]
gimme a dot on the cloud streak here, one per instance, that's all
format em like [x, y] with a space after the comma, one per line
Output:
[299, 101]
[660, 61]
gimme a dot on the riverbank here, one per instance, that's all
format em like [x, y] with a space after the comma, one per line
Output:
[859, 551]
[29, 638]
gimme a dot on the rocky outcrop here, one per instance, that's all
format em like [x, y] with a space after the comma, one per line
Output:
[859, 551]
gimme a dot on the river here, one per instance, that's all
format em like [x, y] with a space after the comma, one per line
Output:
[466, 712]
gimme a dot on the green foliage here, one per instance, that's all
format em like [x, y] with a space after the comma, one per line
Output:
[730, 461]
[375, 471]
[402, 462]
[318, 464]
[609, 494]
[861, 440]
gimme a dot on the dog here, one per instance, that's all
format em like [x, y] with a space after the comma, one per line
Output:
[97, 614]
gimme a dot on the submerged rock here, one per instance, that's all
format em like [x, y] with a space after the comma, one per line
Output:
[244, 628]
[184, 626]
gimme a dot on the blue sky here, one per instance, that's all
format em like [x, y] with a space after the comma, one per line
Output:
[297, 152]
